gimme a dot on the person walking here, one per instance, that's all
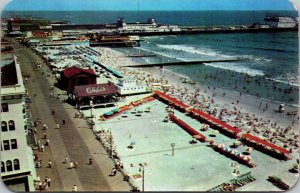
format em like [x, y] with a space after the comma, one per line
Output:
[90, 161]
[49, 181]
[49, 163]
[63, 122]
[71, 164]
[45, 135]
[74, 189]
[44, 126]
[66, 159]
[57, 125]
[75, 164]
[42, 148]
[47, 142]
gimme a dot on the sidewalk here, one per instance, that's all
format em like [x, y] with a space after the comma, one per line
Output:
[74, 139]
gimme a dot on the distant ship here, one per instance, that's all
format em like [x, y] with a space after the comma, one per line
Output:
[281, 22]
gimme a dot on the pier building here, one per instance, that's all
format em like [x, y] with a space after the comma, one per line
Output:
[129, 86]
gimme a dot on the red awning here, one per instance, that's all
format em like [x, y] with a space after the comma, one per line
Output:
[186, 127]
[263, 142]
[197, 112]
[93, 90]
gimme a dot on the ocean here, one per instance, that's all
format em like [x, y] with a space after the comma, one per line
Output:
[268, 65]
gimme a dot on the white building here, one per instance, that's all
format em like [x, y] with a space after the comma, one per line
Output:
[281, 22]
[17, 165]
[150, 26]
[128, 86]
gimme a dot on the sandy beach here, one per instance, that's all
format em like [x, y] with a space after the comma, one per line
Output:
[255, 115]
[249, 113]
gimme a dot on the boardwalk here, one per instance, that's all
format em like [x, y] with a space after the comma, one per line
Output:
[74, 139]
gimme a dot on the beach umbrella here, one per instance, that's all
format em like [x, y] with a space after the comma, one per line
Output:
[233, 152]
[221, 146]
[197, 136]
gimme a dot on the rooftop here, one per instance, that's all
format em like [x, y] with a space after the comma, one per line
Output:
[72, 71]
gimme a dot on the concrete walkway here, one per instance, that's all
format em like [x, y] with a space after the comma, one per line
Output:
[74, 139]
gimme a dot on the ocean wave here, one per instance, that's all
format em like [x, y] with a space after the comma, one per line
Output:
[289, 79]
[236, 68]
[194, 50]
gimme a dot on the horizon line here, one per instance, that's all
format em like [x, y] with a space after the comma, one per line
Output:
[168, 10]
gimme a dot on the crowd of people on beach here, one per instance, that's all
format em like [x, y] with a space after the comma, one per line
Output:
[203, 98]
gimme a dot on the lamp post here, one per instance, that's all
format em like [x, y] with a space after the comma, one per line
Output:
[142, 169]
[173, 146]
[91, 105]
[110, 144]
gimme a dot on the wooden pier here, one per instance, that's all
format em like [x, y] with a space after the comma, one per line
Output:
[180, 63]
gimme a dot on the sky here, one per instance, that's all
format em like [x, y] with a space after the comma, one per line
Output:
[58, 5]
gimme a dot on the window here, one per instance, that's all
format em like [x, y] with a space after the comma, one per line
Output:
[9, 166]
[3, 126]
[17, 96]
[16, 164]
[6, 145]
[4, 107]
[11, 125]
[7, 97]
[2, 167]
[13, 143]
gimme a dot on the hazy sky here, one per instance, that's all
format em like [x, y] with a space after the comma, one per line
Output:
[150, 5]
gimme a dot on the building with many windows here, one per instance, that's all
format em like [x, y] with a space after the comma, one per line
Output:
[129, 86]
[17, 165]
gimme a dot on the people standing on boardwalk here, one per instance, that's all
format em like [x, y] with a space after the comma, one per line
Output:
[75, 164]
[45, 135]
[74, 189]
[114, 171]
[49, 181]
[71, 164]
[47, 142]
[66, 159]
[49, 163]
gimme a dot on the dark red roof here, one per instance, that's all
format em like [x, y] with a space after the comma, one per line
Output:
[9, 74]
[266, 143]
[92, 90]
[72, 71]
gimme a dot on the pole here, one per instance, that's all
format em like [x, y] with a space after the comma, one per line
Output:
[143, 188]
[110, 145]
[172, 145]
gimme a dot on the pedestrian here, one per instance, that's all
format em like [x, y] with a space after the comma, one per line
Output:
[71, 164]
[44, 126]
[52, 112]
[40, 186]
[42, 148]
[36, 157]
[57, 125]
[114, 171]
[74, 189]
[38, 142]
[45, 135]
[63, 122]
[49, 181]
[49, 163]
[66, 159]
[34, 130]
[47, 142]
[75, 164]
[90, 161]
